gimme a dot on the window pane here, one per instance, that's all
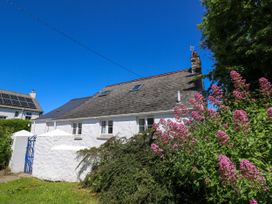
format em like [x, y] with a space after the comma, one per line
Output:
[79, 128]
[103, 127]
[74, 128]
[150, 122]
[110, 126]
[141, 125]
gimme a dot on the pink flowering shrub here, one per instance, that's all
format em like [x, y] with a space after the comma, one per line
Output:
[222, 153]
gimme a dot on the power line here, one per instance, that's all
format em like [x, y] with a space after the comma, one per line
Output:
[68, 36]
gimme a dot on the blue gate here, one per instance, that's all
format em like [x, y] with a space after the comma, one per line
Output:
[29, 156]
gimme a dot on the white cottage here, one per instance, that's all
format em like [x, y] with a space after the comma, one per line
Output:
[121, 110]
[18, 105]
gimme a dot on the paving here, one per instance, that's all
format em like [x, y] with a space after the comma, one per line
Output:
[12, 177]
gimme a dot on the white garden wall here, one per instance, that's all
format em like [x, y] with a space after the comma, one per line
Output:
[56, 159]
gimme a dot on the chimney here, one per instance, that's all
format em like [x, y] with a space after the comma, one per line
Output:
[33, 94]
[196, 63]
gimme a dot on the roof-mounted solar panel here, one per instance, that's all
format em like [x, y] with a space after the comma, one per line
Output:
[5, 96]
[29, 100]
[32, 105]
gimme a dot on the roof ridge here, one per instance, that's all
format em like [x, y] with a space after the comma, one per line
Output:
[149, 77]
[80, 98]
[13, 92]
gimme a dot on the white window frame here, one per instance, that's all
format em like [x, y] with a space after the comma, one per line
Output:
[104, 130]
[145, 118]
[77, 128]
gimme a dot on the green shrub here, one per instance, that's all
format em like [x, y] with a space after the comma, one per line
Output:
[5, 147]
[124, 171]
[7, 127]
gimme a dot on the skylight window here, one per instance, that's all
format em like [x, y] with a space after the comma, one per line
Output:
[136, 87]
[105, 93]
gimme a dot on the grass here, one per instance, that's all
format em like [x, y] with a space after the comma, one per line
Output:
[33, 191]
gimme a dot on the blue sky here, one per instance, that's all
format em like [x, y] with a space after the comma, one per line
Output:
[148, 37]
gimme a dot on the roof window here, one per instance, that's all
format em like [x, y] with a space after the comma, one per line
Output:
[104, 93]
[137, 87]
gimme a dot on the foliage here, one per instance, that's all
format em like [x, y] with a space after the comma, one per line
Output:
[7, 127]
[223, 155]
[239, 35]
[5, 147]
[126, 171]
[16, 124]
[32, 191]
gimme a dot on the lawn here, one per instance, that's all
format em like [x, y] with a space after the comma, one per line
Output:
[30, 190]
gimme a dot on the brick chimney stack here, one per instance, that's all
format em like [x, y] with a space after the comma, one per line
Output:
[196, 63]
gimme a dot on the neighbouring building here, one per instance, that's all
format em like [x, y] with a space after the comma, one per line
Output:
[18, 105]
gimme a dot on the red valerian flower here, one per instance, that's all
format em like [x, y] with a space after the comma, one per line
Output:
[269, 113]
[253, 201]
[223, 138]
[240, 119]
[227, 169]
[265, 87]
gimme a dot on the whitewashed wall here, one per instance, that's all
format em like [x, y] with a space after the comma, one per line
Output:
[56, 156]
[56, 159]
[10, 113]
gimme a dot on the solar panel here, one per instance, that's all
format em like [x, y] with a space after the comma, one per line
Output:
[32, 105]
[29, 100]
[24, 104]
[5, 95]
[21, 98]
[14, 97]
[15, 103]
[7, 101]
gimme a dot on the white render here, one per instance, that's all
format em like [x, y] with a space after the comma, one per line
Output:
[17, 161]
[9, 113]
[56, 148]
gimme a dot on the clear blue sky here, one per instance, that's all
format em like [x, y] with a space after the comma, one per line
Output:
[147, 36]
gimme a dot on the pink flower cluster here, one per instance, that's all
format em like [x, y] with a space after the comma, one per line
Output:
[222, 137]
[269, 113]
[251, 172]
[227, 169]
[240, 119]
[180, 110]
[216, 96]
[253, 201]
[156, 149]
[213, 114]
[265, 87]
[198, 103]
[240, 86]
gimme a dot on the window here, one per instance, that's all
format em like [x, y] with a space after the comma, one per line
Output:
[103, 127]
[77, 128]
[145, 123]
[104, 93]
[16, 114]
[107, 127]
[110, 126]
[3, 117]
[136, 87]
[28, 115]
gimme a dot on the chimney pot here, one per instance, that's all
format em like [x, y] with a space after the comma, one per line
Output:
[33, 94]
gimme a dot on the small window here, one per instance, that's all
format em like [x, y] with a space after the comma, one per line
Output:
[104, 93]
[103, 127]
[136, 87]
[16, 114]
[110, 126]
[3, 117]
[141, 125]
[145, 124]
[150, 122]
[107, 127]
[77, 128]
[74, 128]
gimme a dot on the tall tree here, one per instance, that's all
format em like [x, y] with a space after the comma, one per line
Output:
[239, 33]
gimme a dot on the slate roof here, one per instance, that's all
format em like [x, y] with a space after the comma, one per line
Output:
[14, 100]
[65, 109]
[157, 93]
